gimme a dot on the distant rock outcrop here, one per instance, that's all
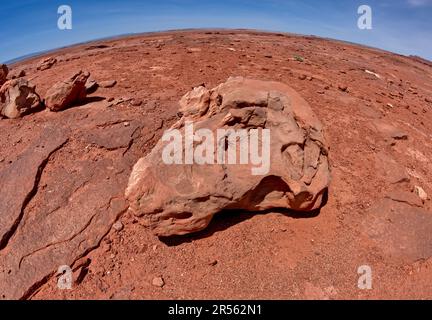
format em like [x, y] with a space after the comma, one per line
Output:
[64, 94]
[178, 199]
[46, 63]
[17, 98]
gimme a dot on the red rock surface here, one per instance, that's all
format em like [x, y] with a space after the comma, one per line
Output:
[63, 176]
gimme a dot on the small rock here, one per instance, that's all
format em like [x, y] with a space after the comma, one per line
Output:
[136, 102]
[298, 58]
[398, 135]
[420, 193]
[191, 50]
[343, 88]
[158, 282]
[118, 226]
[373, 73]
[302, 77]
[107, 84]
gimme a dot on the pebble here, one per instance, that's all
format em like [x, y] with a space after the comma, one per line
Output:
[399, 135]
[136, 102]
[343, 88]
[373, 73]
[107, 84]
[158, 282]
[420, 193]
[213, 263]
[303, 77]
[118, 226]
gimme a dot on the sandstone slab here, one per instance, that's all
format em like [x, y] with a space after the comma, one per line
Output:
[400, 230]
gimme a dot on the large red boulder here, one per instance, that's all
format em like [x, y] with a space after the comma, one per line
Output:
[176, 195]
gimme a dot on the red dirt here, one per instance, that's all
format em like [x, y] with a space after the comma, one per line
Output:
[371, 218]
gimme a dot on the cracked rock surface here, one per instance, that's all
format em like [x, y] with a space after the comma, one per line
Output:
[62, 189]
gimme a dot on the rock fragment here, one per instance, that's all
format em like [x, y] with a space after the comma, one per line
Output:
[343, 88]
[107, 84]
[118, 226]
[158, 282]
[420, 193]
[3, 73]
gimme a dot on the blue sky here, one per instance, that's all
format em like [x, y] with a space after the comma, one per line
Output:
[29, 26]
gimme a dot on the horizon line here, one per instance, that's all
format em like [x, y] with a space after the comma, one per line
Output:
[124, 35]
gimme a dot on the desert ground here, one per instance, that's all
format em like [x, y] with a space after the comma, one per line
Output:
[63, 175]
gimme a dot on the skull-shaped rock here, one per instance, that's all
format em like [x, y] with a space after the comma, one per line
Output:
[246, 144]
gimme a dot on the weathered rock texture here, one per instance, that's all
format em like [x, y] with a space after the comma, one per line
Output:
[64, 94]
[54, 211]
[180, 199]
[17, 98]
[46, 63]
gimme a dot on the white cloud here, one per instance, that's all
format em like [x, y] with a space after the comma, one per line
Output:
[419, 3]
